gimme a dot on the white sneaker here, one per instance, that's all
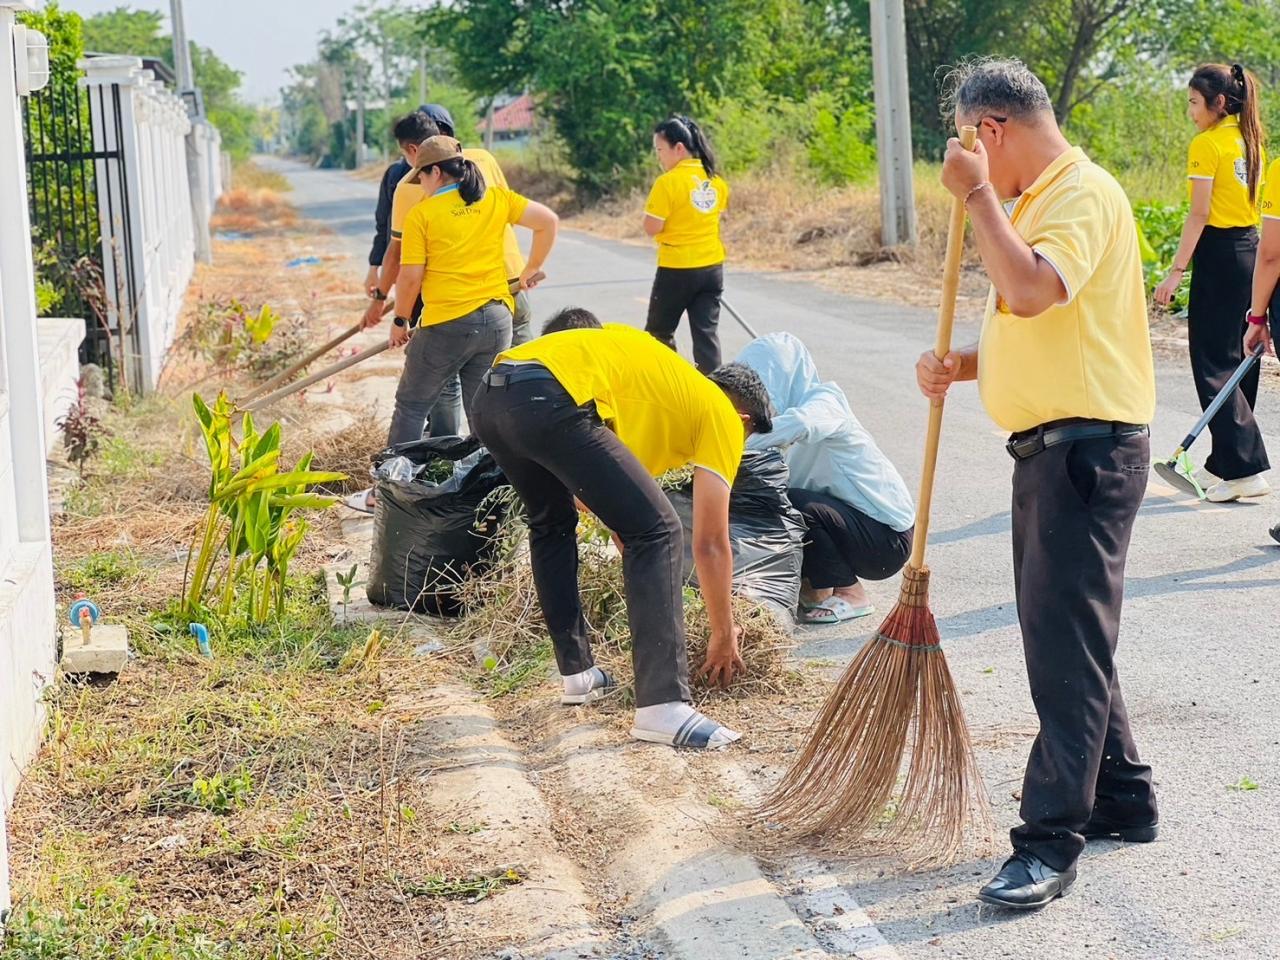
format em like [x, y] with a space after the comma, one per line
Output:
[1205, 478]
[1224, 491]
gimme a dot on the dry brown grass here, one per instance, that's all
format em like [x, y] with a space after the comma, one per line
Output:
[250, 176]
[253, 210]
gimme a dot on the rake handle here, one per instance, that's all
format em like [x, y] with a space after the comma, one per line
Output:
[1226, 393]
[284, 375]
[941, 347]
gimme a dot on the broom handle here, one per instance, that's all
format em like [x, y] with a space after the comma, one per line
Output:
[306, 361]
[324, 374]
[941, 347]
[341, 365]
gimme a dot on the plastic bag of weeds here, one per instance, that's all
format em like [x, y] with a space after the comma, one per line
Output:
[435, 528]
[766, 534]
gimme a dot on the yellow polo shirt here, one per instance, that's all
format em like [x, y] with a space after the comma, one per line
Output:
[461, 246]
[1271, 192]
[409, 193]
[1217, 154]
[1090, 355]
[689, 204]
[662, 409]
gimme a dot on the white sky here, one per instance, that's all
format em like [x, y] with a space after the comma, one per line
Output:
[260, 38]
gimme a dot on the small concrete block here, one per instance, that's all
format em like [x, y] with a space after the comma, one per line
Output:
[106, 652]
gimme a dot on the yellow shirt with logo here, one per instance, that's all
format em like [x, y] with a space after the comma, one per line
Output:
[1217, 154]
[461, 245]
[409, 193]
[1089, 355]
[662, 409]
[689, 204]
[1271, 192]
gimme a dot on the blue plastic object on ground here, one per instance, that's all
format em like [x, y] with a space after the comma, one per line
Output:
[303, 262]
[73, 615]
[201, 633]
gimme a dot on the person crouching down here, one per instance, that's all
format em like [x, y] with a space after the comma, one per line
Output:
[858, 511]
[596, 414]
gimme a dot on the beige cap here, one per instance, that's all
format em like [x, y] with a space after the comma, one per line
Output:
[433, 150]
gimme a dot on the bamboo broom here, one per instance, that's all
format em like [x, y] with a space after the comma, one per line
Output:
[845, 783]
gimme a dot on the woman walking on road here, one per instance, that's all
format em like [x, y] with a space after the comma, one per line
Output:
[682, 214]
[1266, 279]
[1225, 166]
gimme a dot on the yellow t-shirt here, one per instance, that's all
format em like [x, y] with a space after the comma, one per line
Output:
[659, 405]
[1271, 192]
[690, 206]
[1217, 154]
[1090, 355]
[461, 246]
[409, 193]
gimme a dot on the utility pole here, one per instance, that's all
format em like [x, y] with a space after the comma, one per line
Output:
[359, 121]
[893, 122]
[199, 176]
[422, 74]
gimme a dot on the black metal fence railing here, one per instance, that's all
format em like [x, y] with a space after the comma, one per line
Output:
[76, 187]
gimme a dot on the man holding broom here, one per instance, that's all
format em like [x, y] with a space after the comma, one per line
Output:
[1064, 364]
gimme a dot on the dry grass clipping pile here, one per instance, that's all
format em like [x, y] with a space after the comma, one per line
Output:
[504, 622]
[246, 209]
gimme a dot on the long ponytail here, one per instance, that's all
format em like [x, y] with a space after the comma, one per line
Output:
[470, 180]
[1241, 96]
[677, 129]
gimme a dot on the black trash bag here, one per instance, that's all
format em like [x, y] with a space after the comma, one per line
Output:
[430, 534]
[766, 534]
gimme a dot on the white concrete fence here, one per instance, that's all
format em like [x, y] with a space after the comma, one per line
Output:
[156, 225]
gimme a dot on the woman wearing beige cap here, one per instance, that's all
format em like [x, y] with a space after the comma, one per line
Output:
[452, 252]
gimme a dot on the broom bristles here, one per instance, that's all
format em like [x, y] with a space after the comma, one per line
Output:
[845, 783]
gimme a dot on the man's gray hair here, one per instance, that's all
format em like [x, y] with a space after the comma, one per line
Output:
[994, 86]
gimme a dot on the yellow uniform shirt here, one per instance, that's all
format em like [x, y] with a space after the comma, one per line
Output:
[1271, 193]
[1090, 355]
[690, 206]
[659, 405]
[461, 246]
[1217, 154]
[409, 193]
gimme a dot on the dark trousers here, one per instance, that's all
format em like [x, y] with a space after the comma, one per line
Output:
[844, 545]
[437, 358]
[695, 291]
[1073, 510]
[1221, 280]
[552, 450]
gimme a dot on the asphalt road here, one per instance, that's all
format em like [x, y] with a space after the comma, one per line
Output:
[1199, 636]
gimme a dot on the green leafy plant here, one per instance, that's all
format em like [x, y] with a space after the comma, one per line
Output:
[347, 581]
[252, 526]
[221, 793]
[1159, 233]
[1244, 785]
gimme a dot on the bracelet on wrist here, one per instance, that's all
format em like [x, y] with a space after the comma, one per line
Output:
[1256, 319]
[377, 294]
[974, 189]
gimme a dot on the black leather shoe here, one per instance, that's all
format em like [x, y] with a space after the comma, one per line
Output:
[1103, 830]
[1026, 882]
[1275, 533]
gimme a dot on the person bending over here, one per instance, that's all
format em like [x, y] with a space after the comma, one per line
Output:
[858, 511]
[596, 414]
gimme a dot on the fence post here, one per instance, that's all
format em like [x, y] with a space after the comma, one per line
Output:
[198, 173]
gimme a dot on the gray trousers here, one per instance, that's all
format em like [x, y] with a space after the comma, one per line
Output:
[445, 418]
[442, 355]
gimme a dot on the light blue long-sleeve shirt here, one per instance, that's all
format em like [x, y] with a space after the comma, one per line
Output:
[827, 450]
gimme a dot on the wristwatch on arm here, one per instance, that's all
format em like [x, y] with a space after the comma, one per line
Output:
[377, 294]
[1256, 319]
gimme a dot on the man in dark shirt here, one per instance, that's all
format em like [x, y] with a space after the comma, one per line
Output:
[407, 130]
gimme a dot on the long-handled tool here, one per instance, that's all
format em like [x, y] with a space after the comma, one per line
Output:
[737, 316]
[1178, 469]
[285, 375]
[845, 782]
[329, 371]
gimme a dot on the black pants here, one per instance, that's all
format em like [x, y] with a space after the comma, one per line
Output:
[695, 291]
[1221, 280]
[844, 545]
[552, 450]
[1073, 510]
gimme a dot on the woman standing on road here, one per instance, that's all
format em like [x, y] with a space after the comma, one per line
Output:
[683, 215]
[1266, 279]
[1225, 168]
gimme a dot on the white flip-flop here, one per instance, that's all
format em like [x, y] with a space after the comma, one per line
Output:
[835, 610]
[591, 696]
[695, 733]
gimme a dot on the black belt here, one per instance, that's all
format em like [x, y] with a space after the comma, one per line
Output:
[505, 374]
[1027, 443]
